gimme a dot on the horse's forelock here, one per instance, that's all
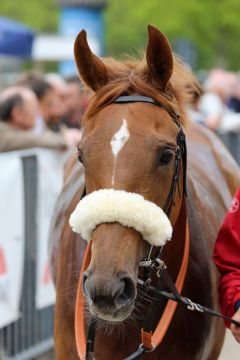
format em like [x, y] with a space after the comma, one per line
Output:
[130, 77]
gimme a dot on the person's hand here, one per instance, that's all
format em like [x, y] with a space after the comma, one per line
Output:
[234, 329]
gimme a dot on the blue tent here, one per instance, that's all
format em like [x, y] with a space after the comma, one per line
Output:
[15, 39]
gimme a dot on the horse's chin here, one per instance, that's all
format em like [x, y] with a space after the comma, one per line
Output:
[111, 317]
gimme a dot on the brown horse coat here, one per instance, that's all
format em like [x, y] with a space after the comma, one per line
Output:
[213, 177]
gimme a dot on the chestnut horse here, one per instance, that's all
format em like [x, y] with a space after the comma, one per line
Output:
[132, 147]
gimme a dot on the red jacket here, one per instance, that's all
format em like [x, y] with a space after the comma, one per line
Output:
[227, 258]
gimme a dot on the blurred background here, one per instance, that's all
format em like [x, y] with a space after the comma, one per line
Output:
[205, 33]
[42, 102]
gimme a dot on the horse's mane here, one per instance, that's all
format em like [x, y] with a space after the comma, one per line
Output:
[130, 77]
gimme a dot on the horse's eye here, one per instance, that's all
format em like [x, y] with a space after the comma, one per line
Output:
[165, 157]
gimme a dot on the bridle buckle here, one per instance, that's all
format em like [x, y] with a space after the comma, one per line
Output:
[159, 265]
[145, 263]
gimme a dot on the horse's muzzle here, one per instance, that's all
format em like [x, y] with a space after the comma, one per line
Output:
[109, 299]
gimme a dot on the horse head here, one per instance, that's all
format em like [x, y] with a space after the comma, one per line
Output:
[132, 147]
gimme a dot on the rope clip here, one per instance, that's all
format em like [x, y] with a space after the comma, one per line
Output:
[193, 306]
[159, 266]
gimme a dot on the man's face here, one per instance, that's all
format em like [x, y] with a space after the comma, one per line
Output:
[76, 103]
[52, 107]
[24, 116]
[74, 97]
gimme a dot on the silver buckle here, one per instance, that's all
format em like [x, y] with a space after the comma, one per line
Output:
[159, 266]
[193, 306]
[145, 263]
[147, 350]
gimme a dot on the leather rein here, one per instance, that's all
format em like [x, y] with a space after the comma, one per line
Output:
[150, 339]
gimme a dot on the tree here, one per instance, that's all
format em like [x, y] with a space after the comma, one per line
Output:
[40, 15]
[213, 27]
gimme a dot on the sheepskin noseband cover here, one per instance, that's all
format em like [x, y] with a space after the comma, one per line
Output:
[128, 209]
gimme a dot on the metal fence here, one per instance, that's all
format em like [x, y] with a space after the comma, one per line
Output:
[232, 142]
[31, 335]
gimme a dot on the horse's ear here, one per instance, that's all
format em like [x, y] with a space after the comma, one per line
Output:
[91, 69]
[159, 57]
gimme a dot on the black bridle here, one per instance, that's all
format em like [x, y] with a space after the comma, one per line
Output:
[180, 157]
[181, 150]
[156, 264]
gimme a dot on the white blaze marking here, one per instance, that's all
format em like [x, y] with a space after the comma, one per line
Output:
[120, 138]
[118, 141]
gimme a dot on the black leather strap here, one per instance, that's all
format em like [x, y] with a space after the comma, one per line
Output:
[137, 354]
[175, 296]
[149, 100]
[90, 340]
[132, 99]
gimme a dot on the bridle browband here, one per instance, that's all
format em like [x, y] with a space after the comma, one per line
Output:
[150, 265]
[146, 99]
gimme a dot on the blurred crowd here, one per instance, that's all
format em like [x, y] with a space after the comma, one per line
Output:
[218, 107]
[46, 110]
[42, 111]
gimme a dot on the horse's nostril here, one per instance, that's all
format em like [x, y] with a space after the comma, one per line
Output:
[127, 293]
[84, 277]
[84, 282]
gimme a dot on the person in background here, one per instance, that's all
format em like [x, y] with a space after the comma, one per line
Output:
[234, 101]
[227, 259]
[60, 89]
[46, 96]
[76, 102]
[193, 108]
[18, 112]
[213, 109]
[49, 108]
[212, 103]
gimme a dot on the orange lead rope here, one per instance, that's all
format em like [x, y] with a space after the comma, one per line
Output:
[80, 336]
[149, 340]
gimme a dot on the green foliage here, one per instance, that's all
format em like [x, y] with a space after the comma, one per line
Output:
[41, 15]
[212, 26]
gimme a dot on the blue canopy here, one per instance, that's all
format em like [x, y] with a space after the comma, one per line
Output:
[15, 39]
